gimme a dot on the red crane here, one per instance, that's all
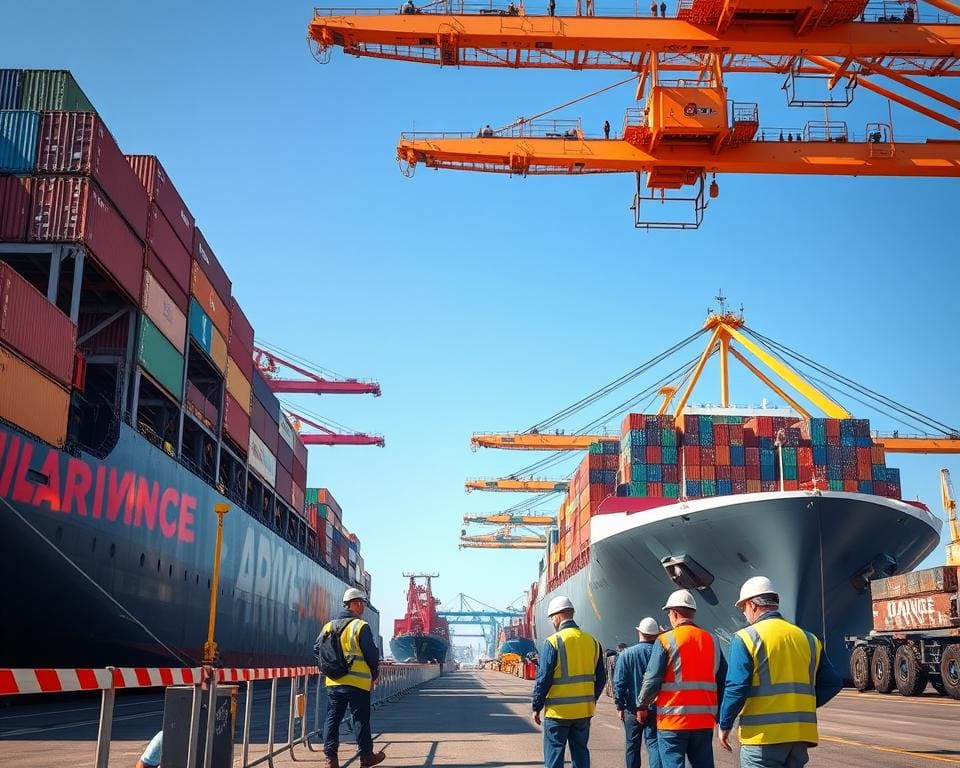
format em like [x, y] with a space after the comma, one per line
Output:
[328, 437]
[270, 363]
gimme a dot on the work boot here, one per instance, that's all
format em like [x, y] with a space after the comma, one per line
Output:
[374, 759]
[332, 762]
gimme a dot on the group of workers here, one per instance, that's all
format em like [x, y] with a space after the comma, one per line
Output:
[675, 688]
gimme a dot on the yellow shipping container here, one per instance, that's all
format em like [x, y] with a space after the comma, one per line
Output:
[238, 386]
[218, 350]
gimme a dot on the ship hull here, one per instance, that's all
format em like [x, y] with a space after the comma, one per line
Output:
[109, 561]
[423, 649]
[817, 548]
[521, 646]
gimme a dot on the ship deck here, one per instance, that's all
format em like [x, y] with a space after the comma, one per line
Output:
[447, 720]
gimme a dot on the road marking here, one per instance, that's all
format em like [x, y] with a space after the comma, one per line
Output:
[906, 700]
[896, 750]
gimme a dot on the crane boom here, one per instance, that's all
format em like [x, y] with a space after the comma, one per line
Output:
[329, 437]
[270, 363]
[624, 43]
[515, 484]
[950, 508]
[501, 518]
[538, 442]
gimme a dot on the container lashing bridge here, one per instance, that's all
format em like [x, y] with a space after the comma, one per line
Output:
[686, 129]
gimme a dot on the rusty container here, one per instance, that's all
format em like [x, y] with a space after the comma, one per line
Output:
[934, 610]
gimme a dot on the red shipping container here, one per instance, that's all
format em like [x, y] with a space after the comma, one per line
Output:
[864, 456]
[300, 454]
[721, 455]
[693, 471]
[633, 421]
[736, 434]
[877, 455]
[805, 456]
[79, 142]
[851, 485]
[236, 423]
[931, 611]
[708, 472]
[791, 485]
[723, 472]
[655, 489]
[241, 332]
[73, 209]
[296, 500]
[804, 474]
[167, 282]
[284, 484]
[691, 454]
[671, 473]
[34, 327]
[167, 246]
[285, 455]
[204, 256]
[14, 208]
[299, 473]
[833, 431]
[161, 191]
[738, 474]
[654, 454]
[720, 434]
[708, 456]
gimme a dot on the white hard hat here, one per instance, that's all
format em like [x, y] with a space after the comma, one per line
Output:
[354, 594]
[649, 626]
[754, 587]
[682, 598]
[559, 604]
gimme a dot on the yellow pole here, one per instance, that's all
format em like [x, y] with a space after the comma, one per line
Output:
[210, 647]
[724, 381]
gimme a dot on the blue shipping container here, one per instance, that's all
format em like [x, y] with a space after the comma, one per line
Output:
[654, 473]
[693, 488]
[738, 456]
[10, 82]
[201, 326]
[19, 134]
[264, 396]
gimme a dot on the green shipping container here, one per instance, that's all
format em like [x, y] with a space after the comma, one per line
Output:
[160, 358]
[52, 89]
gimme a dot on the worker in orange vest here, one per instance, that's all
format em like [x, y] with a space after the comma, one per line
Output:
[685, 677]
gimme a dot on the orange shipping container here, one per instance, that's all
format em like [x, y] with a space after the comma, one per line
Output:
[209, 300]
[166, 315]
[238, 386]
[30, 400]
[722, 455]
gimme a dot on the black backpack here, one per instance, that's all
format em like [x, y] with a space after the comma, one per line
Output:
[329, 652]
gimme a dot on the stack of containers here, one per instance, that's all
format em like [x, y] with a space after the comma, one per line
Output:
[649, 457]
[593, 481]
[37, 343]
[264, 431]
[323, 512]
[239, 399]
[299, 474]
[723, 455]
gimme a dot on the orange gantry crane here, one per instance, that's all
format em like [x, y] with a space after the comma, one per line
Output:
[688, 128]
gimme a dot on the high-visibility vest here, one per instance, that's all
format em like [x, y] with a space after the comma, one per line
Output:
[688, 697]
[359, 674]
[782, 703]
[570, 696]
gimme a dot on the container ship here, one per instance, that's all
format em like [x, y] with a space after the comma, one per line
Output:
[516, 639]
[705, 498]
[130, 406]
[421, 636]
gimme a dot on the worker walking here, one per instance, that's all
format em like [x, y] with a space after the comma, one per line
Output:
[570, 679]
[350, 640]
[685, 677]
[777, 678]
[627, 681]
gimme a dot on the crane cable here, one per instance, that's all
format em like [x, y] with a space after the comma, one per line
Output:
[615, 384]
[862, 389]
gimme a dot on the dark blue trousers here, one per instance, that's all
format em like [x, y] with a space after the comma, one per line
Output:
[340, 698]
[678, 746]
[557, 734]
[636, 734]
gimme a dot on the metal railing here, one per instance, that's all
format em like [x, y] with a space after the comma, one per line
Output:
[394, 680]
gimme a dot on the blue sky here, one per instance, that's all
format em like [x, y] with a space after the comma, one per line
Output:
[485, 302]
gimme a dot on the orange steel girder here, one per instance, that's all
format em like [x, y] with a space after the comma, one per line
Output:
[933, 158]
[594, 42]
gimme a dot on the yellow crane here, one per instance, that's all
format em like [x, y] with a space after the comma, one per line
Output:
[505, 518]
[729, 339]
[516, 484]
[503, 538]
[950, 507]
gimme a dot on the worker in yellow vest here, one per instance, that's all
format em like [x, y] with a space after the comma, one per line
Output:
[778, 677]
[352, 690]
[570, 679]
[685, 677]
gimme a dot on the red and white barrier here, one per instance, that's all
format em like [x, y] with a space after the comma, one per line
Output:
[230, 675]
[15, 681]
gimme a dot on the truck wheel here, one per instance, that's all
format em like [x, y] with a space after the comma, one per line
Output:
[950, 670]
[881, 669]
[860, 668]
[911, 677]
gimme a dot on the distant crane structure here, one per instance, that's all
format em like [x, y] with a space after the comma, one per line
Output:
[272, 364]
[475, 613]
[685, 128]
[950, 508]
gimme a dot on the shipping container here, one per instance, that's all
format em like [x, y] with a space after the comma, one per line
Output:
[211, 302]
[19, 131]
[206, 336]
[14, 208]
[236, 422]
[167, 246]
[284, 484]
[31, 401]
[34, 327]
[73, 209]
[160, 358]
[160, 190]
[241, 332]
[79, 142]
[203, 254]
[164, 312]
[263, 393]
[203, 410]
[284, 452]
[261, 460]
[943, 578]
[300, 452]
[52, 89]
[937, 610]
[287, 432]
[299, 472]
[162, 275]
[238, 385]
[296, 499]
[10, 83]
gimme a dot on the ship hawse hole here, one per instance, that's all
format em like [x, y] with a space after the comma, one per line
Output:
[184, 575]
[742, 558]
[158, 566]
[170, 570]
